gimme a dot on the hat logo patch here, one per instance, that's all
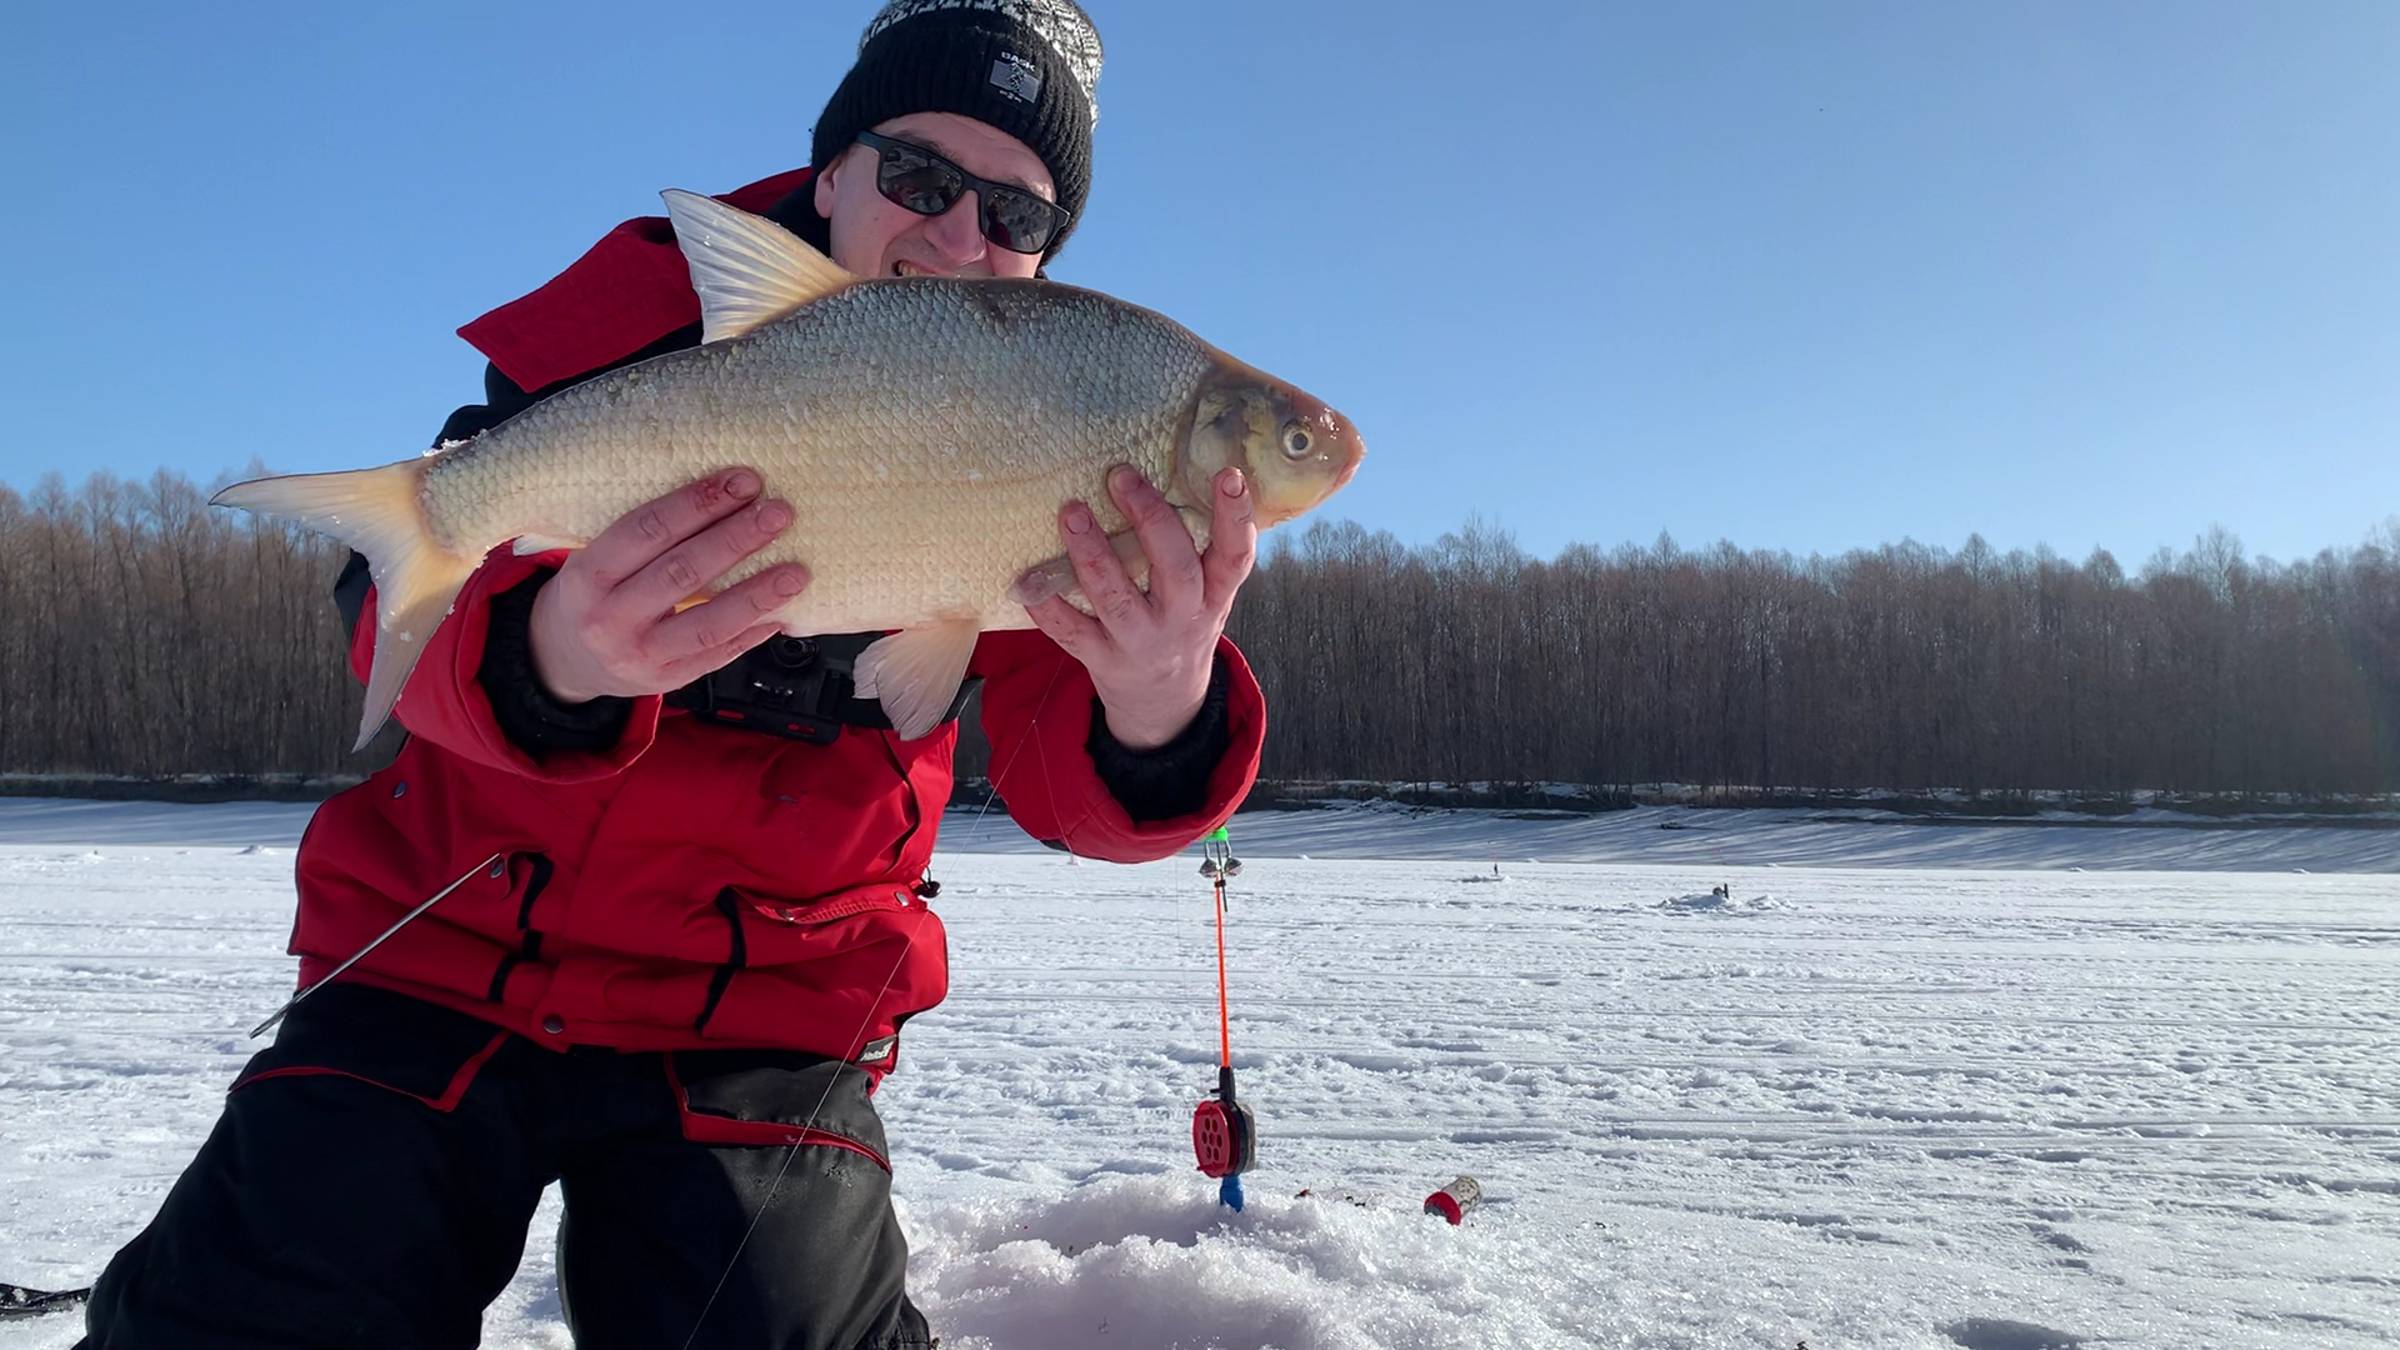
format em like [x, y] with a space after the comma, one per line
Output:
[1016, 77]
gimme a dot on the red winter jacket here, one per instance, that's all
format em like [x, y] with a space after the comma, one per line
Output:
[693, 885]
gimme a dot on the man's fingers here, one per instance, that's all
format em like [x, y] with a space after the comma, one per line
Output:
[718, 657]
[637, 538]
[726, 617]
[1114, 597]
[1077, 633]
[1175, 576]
[688, 568]
[1232, 540]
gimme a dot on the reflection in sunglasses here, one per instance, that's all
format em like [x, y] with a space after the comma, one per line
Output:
[917, 179]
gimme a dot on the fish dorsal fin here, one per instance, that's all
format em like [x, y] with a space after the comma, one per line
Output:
[748, 270]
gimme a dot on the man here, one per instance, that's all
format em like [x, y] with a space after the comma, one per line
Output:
[682, 914]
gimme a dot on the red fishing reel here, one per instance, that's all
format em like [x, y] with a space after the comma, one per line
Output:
[1224, 1137]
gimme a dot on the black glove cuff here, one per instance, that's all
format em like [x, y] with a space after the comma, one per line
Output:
[1171, 780]
[532, 719]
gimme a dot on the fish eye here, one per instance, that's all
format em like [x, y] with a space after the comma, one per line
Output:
[1296, 440]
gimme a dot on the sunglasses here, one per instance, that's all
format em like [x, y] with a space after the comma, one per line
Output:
[915, 178]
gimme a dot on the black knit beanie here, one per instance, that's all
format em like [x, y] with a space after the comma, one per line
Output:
[1027, 67]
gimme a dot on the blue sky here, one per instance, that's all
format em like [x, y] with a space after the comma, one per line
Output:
[1801, 276]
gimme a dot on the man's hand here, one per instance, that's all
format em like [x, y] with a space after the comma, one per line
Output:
[1150, 655]
[607, 623]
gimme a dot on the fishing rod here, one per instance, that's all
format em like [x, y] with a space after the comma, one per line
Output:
[1224, 1133]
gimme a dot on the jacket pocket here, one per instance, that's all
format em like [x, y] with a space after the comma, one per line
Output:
[882, 897]
[382, 1039]
[797, 975]
[775, 1097]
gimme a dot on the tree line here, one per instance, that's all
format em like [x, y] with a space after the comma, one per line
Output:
[1904, 667]
[143, 633]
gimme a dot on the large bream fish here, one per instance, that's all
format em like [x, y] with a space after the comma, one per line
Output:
[925, 431]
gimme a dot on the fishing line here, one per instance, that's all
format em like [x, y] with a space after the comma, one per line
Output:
[858, 1038]
[491, 863]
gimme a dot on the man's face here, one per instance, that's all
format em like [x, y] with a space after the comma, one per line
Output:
[875, 238]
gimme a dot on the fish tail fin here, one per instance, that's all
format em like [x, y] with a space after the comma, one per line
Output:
[381, 513]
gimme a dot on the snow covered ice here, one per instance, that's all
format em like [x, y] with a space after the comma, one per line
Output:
[1943, 1091]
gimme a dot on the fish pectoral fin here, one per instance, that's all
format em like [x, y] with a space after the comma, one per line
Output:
[529, 544]
[748, 270]
[1197, 523]
[1043, 580]
[916, 672]
[1057, 576]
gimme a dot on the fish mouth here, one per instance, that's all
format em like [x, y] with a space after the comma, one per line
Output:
[1344, 433]
[1358, 452]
